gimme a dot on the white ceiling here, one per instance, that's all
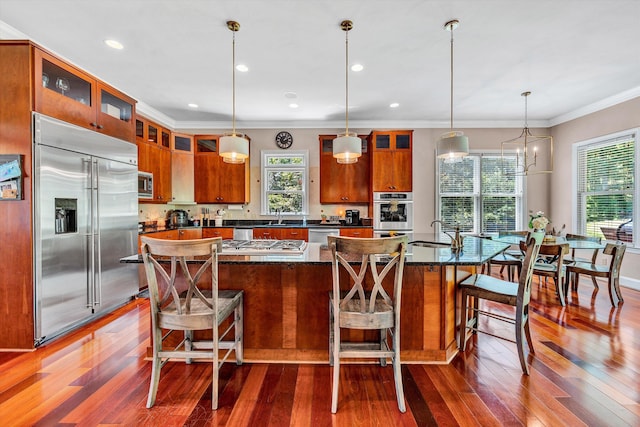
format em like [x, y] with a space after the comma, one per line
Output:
[575, 56]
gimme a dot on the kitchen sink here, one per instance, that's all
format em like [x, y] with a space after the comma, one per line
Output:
[428, 244]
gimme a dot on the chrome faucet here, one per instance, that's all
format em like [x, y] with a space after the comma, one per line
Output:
[456, 241]
[279, 216]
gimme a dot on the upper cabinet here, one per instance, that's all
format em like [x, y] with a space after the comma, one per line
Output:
[343, 183]
[182, 176]
[69, 94]
[215, 180]
[391, 160]
[154, 156]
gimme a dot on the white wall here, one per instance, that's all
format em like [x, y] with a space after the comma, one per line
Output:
[614, 119]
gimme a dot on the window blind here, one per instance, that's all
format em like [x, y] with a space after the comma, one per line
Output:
[605, 179]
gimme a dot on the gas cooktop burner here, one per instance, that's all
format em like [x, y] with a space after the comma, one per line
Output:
[262, 246]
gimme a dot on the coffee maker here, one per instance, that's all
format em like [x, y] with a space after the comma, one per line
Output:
[352, 217]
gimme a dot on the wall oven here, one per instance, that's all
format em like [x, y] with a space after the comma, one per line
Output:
[392, 211]
[145, 185]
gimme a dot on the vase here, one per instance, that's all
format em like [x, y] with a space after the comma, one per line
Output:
[538, 235]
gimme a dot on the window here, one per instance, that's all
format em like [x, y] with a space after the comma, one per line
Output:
[481, 193]
[285, 186]
[605, 186]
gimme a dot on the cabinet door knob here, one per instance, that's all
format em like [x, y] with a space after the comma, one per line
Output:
[100, 127]
[93, 124]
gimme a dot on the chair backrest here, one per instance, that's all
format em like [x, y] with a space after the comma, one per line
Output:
[366, 281]
[616, 250]
[558, 250]
[526, 275]
[162, 260]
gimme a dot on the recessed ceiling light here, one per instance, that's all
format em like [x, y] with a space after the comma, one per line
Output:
[242, 68]
[293, 105]
[192, 105]
[357, 67]
[394, 105]
[115, 44]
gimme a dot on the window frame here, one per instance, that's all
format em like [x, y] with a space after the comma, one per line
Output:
[594, 143]
[265, 169]
[478, 195]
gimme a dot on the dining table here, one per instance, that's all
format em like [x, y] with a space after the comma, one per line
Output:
[573, 243]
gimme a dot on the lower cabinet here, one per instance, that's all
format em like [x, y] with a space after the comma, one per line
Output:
[224, 232]
[189, 233]
[285, 233]
[356, 232]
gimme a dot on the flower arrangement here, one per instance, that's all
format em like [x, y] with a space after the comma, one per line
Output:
[538, 221]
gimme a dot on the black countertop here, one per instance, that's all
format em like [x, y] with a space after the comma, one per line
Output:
[475, 251]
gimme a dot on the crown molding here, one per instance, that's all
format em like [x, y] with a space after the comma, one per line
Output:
[155, 115]
[597, 106]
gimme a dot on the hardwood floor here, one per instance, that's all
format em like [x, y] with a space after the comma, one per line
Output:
[585, 372]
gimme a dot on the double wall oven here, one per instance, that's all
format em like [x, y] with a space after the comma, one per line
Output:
[392, 212]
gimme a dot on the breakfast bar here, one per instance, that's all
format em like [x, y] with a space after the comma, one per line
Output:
[286, 299]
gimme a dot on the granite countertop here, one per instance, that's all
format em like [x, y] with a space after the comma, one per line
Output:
[256, 224]
[475, 251]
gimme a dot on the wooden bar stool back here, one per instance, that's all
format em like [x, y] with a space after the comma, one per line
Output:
[551, 265]
[359, 301]
[194, 303]
[482, 287]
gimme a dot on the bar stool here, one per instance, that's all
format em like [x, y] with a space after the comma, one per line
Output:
[176, 307]
[365, 304]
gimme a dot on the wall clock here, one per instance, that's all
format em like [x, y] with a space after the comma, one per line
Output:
[284, 139]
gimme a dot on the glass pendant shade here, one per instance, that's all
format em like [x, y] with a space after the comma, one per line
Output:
[453, 145]
[233, 148]
[347, 148]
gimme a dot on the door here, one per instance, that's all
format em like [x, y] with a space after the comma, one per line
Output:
[62, 239]
[116, 216]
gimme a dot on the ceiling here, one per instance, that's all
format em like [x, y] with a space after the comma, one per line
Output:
[575, 56]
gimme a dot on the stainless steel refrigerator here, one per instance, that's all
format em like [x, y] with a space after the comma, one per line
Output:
[85, 220]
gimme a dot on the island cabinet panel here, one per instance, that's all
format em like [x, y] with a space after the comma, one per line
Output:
[340, 183]
[286, 310]
[224, 232]
[391, 160]
[215, 180]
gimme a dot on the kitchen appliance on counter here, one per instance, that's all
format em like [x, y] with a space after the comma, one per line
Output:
[177, 218]
[85, 220]
[352, 217]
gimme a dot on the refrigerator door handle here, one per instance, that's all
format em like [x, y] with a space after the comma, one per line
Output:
[90, 236]
[97, 298]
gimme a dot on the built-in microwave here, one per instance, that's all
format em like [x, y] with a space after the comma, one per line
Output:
[145, 185]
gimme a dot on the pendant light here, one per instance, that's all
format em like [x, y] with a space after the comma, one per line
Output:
[233, 147]
[452, 145]
[534, 153]
[347, 147]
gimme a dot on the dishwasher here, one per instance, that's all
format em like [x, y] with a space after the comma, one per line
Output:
[319, 235]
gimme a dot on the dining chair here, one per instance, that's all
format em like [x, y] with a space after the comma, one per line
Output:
[572, 258]
[550, 264]
[194, 303]
[509, 258]
[483, 287]
[611, 272]
[360, 267]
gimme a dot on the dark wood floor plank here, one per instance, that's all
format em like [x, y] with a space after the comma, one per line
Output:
[585, 372]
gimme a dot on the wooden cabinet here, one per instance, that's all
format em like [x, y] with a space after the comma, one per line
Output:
[217, 181]
[282, 233]
[167, 234]
[189, 233]
[67, 93]
[391, 160]
[224, 232]
[356, 232]
[154, 156]
[341, 183]
[182, 172]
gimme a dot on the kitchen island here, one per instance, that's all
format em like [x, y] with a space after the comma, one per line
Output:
[286, 300]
